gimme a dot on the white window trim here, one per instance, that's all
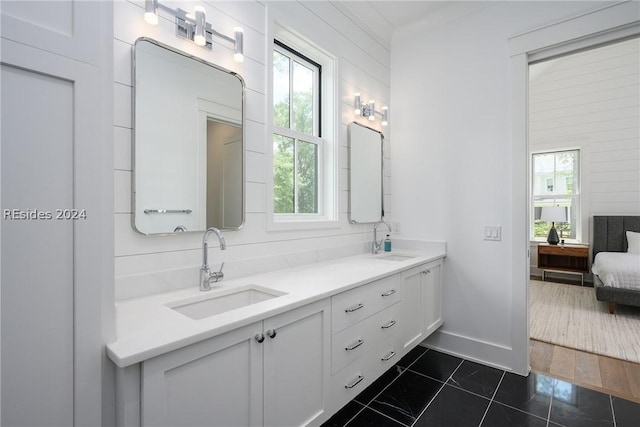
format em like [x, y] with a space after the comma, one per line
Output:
[577, 195]
[328, 165]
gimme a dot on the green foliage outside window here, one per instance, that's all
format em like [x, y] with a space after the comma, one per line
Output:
[283, 160]
[295, 161]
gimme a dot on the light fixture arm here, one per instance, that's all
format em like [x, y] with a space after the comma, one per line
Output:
[369, 110]
[194, 27]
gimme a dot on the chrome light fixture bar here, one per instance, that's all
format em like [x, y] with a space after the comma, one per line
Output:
[369, 110]
[195, 27]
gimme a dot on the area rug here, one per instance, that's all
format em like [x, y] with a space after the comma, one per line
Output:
[571, 316]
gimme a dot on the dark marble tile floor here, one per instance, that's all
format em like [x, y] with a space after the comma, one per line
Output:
[428, 388]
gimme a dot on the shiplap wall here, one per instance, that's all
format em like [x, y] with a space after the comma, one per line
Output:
[591, 100]
[147, 264]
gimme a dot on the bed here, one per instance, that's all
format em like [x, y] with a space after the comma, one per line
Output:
[615, 264]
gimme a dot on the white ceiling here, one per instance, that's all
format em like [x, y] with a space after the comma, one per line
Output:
[382, 17]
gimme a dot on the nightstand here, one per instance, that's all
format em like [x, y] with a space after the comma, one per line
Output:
[571, 259]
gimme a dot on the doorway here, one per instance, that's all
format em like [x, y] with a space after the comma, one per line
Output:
[600, 27]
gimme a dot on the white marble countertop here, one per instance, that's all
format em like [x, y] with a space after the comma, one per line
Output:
[146, 327]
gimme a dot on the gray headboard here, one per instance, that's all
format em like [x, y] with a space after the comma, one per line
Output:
[609, 232]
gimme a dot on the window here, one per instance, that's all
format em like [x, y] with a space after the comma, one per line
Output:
[302, 135]
[555, 182]
[297, 144]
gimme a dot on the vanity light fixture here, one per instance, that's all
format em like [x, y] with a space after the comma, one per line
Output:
[195, 27]
[369, 110]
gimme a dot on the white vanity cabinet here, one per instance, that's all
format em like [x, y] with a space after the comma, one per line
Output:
[294, 368]
[365, 342]
[422, 306]
[269, 373]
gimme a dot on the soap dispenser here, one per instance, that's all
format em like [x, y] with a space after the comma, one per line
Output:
[387, 244]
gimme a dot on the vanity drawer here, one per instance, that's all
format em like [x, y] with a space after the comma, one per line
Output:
[353, 379]
[352, 343]
[357, 304]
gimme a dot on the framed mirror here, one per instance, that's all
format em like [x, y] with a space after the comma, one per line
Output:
[365, 174]
[188, 156]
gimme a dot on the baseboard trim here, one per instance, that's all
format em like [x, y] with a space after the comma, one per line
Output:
[484, 352]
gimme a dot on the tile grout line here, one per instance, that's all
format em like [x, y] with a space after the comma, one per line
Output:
[356, 414]
[492, 398]
[387, 416]
[394, 380]
[553, 390]
[439, 390]
[613, 413]
[386, 387]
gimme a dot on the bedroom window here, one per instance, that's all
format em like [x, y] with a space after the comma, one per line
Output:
[555, 182]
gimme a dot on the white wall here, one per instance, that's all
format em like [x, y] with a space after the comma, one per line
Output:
[590, 100]
[146, 264]
[452, 168]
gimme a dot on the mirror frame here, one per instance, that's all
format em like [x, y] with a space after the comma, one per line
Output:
[133, 136]
[351, 220]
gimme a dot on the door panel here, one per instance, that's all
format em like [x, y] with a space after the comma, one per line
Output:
[57, 274]
[37, 250]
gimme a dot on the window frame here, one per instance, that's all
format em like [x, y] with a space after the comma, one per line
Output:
[298, 136]
[328, 191]
[575, 196]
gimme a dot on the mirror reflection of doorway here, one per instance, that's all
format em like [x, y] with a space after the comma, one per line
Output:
[224, 175]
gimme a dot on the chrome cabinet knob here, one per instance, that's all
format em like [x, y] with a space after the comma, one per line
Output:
[271, 333]
[259, 338]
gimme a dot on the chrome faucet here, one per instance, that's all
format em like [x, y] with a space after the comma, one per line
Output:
[206, 275]
[377, 245]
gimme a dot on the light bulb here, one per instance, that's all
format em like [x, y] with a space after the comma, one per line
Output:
[238, 54]
[151, 12]
[357, 104]
[199, 36]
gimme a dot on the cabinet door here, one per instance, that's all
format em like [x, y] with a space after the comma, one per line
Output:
[296, 366]
[432, 297]
[422, 302]
[217, 382]
[413, 307]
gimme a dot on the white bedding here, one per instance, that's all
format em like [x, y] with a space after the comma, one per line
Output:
[618, 269]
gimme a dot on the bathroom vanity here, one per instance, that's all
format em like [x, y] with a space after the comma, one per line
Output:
[289, 347]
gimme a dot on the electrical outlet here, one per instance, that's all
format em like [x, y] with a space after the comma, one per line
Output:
[396, 227]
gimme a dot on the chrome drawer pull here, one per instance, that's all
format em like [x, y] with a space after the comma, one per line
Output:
[389, 356]
[353, 308]
[169, 211]
[355, 382]
[389, 293]
[354, 345]
[388, 325]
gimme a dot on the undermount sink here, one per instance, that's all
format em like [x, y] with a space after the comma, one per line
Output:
[395, 257]
[204, 306]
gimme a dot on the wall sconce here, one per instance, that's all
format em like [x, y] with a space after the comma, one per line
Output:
[369, 110]
[195, 27]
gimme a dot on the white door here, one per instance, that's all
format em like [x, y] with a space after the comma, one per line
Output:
[55, 251]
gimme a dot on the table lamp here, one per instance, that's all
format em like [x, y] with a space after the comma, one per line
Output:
[553, 214]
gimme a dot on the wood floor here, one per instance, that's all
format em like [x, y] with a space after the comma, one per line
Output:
[612, 376]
